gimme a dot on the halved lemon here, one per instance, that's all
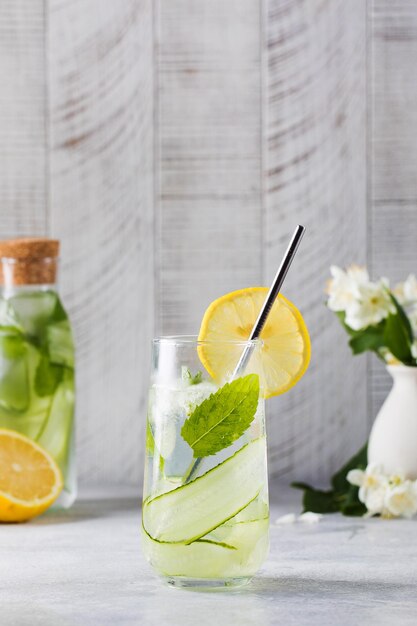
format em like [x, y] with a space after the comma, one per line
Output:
[282, 358]
[30, 480]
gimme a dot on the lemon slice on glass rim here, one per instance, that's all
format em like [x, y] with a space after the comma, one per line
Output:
[284, 351]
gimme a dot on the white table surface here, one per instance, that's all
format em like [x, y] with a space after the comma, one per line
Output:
[85, 567]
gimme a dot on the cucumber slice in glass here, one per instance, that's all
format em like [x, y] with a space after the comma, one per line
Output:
[210, 559]
[191, 511]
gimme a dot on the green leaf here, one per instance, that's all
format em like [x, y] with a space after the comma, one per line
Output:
[351, 505]
[47, 377]
[187, 377]
[341, 316]
[316, 500]
[12, 344]
[223, 417]
[357, 461]
[404, 318]
[343, 496]
[397, 338]
[150, 441]
[370, 339]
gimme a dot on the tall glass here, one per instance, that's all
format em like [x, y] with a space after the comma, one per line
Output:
[205, 509]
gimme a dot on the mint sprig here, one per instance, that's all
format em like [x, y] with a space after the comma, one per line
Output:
[223, 417]
[188, 378]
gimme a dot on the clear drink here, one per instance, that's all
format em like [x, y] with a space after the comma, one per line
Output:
[205, 511]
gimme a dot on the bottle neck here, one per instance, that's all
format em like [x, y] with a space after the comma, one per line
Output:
[28, 274]
[10, 290]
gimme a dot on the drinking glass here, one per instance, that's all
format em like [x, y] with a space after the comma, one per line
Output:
[205, 515]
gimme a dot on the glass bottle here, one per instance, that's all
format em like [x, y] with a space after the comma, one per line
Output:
[37, 354]
[205, 515]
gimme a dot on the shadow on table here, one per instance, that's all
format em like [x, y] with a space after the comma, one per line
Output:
[83, 511]
[304, 587]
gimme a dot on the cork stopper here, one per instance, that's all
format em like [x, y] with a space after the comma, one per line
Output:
[28, 261]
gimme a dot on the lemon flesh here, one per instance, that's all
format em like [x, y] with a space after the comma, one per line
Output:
[280, 360]
[30, 480]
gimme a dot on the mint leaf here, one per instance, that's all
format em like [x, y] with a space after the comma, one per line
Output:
[47, 377]
[187, 377]
[223, 417]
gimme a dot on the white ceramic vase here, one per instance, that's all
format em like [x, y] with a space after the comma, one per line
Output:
[393, 439]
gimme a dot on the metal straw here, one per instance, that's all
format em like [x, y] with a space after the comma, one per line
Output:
[270, 298]
[262, 317]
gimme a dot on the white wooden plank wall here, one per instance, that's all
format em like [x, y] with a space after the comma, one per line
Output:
[23, 203]
[316, 167]
[101, 199]
[209, 128]
[393, 189]
[259, 111]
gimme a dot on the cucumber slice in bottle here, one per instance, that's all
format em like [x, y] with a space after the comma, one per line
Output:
[56, 435]
[191, 511]
[60, 343]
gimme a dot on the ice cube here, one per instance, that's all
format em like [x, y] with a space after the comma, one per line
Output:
[164, 416]
[193, 395]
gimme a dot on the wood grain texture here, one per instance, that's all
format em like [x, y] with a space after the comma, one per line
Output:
[316, 168]
[209, 129]
[394, 99]
[23, 209]
[101, 198]
[393, 153]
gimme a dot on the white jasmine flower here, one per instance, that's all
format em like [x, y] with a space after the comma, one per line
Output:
[310, 518]
[290, 518]
[358, 273]
[374, 500]
[372, 485]
[343, 288]
[401, 498]
[406, 292]
[374, 305]
[356, 477]
[388, 496]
